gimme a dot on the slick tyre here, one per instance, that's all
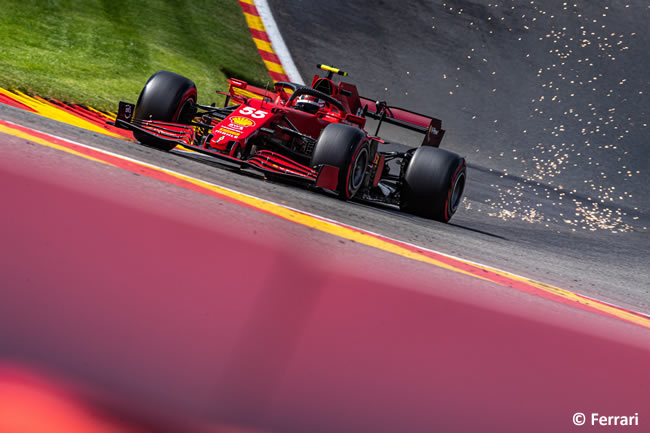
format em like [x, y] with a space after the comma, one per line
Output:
[167, 97]
[433, 184]
[346, 148]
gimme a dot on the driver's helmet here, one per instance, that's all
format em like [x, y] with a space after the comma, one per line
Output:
[309, 104]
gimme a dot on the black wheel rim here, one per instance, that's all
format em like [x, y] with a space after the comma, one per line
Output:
[358, 169]
[457, 192]
[186, 114]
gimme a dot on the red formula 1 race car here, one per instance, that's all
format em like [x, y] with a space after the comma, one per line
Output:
[312, 134]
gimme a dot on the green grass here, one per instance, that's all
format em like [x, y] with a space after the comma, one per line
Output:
[98, 52]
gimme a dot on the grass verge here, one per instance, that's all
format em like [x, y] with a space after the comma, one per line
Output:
[98, 52]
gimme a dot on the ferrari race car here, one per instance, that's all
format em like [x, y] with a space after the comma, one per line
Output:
[311, 134]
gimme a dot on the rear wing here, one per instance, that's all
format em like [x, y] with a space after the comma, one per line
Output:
[429, 126]
[240, 90]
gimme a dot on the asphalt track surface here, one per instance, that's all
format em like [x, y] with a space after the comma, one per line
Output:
[586, 360]
[123, 288]
[547, 102]
[459, 239]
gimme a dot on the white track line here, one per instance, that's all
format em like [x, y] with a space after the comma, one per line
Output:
[277, 41]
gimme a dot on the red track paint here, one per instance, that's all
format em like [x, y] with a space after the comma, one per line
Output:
[12, 102]
[93, 117]
[261, 35]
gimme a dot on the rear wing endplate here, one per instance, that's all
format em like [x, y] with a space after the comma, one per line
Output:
[429, 126]
[241, 90]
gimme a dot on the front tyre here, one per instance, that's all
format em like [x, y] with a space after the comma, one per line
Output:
[433, 184]
[346, 148]
[167, 97]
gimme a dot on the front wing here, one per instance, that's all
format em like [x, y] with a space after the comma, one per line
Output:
[268, 162]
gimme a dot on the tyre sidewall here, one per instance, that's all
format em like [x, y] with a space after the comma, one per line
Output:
[339, 146]
[429, 183]
[357, 152]
[163, 98]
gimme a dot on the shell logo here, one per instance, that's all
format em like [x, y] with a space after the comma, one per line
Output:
[242, 121]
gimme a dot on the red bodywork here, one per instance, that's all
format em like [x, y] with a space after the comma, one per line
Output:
[266, 130]
[261, 108]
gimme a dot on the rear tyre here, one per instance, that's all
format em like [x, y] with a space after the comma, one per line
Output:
[346, 148]
[167, 97]
[433, 184]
